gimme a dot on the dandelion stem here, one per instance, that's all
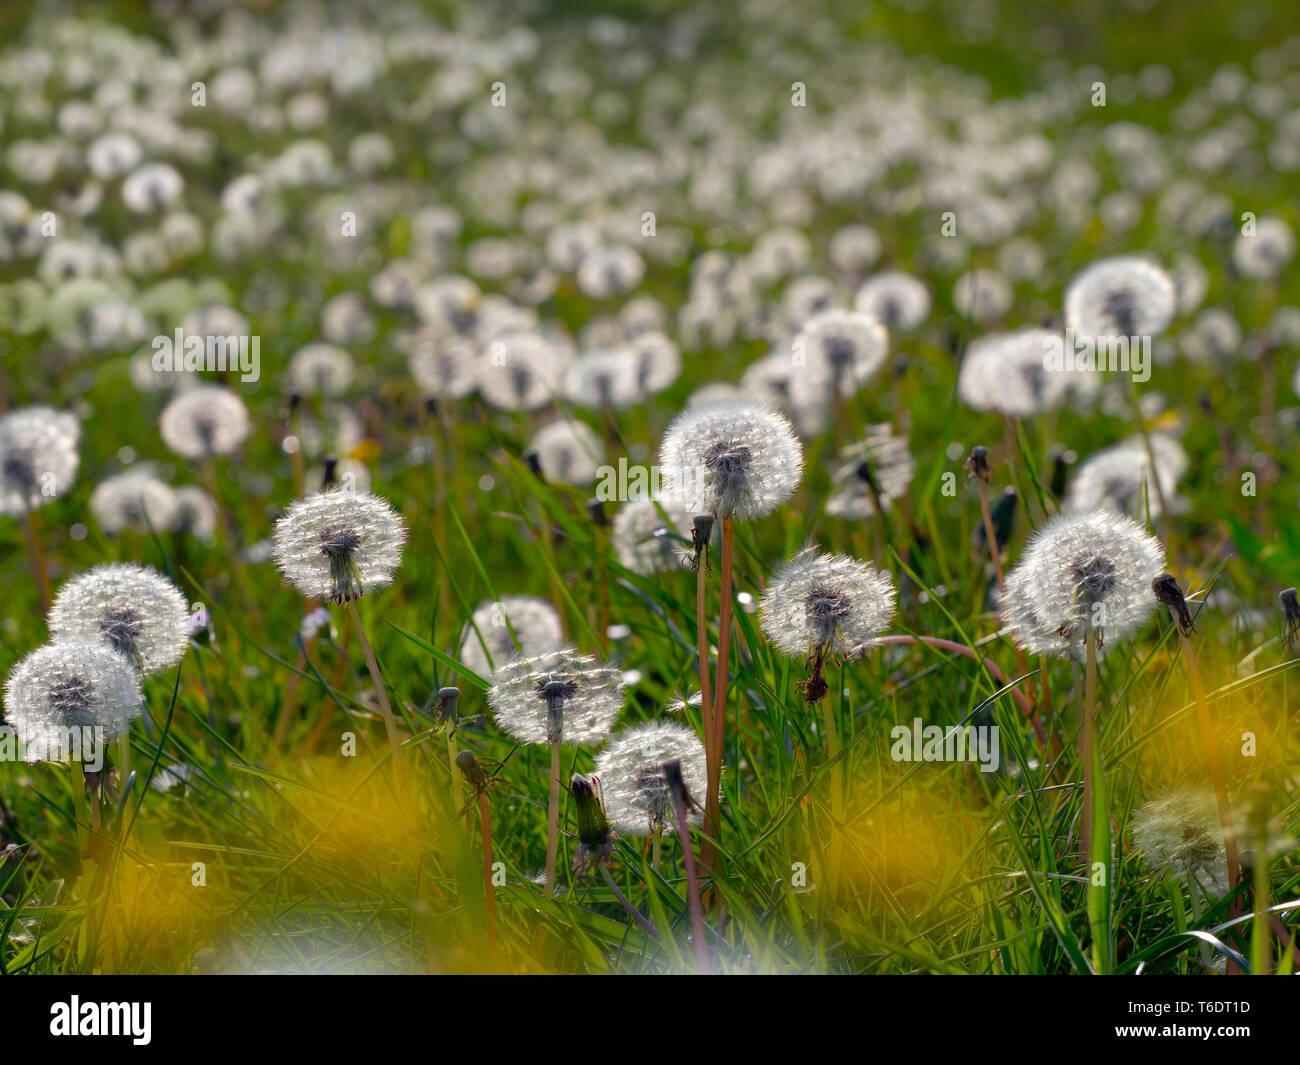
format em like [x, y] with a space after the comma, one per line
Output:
[1215, 764]
[706, 700]
[1260, 952]
[712, 800]
[837, 792]
[489, 892]
[390, 723]
[626, 903]
[692, 886]
[1096, 834]
[553, 818]
[37, 557]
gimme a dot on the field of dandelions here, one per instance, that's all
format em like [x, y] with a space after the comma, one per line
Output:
[650, 471]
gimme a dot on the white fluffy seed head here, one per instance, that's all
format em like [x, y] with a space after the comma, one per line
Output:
[1083, 573]
[1123, 296]
[897, 299]
[70, 684]
[133, 608]
[829, 602]
[339, 544]
[837, 351]
[1005, 372]
[605, 380]
[38, 457]
[204, 421]
[1181, 835]
[562, 696]
[651, 536]
[890, 465]
[1120, 478]
[568, 451]
[630, 769]
[730, 458]
[320, 369]
[522, 371]
[136, 499]
[518, 626]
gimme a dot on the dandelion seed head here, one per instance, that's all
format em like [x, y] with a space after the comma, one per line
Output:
[522, 371]
[536, 625]
[1119, 478]
[561, 696]
[136, 610]
[842, 351]
[568, 451]
[1005, 373]
[1122, 296]
[651, 536]
[831, 602]
[320, 369]
[135, 499]
[204, 421]
[1083, 572]
[882, 455]
[730, 458]
[1267, 251]
[605, 380]
[898, 300]
[630, 768]
[1180, 835]
[339, 544]
[73, 683]
[38, 457]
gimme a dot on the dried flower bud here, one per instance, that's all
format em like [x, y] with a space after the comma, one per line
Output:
[1169, 594]
[978, 463]
[1290, 616]
[447, 698]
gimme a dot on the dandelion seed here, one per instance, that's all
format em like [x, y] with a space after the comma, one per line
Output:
[630, 768]
[339, 545]
[1084, 574]
[731, 459]
[204, 421]
[196, 513]
[534, 623]
[558, 697]
[70, 685]
[136, 610]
